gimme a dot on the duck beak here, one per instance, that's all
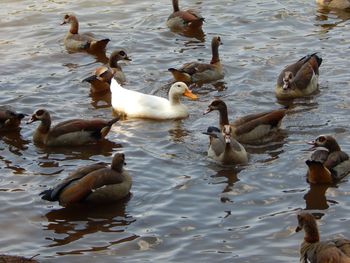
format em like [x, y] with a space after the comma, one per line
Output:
[189, 94]
[128, 59]
[207, 111]
[298, 229]
[63, 23]
[32, 119]
[313, 143]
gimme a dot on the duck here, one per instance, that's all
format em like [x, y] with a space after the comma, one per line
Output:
[223, 148]
[74, 41]
[72, 132]
[95, 183]
[133, 104]
[10, 120]
[101, 79]
[328, 164]
[338, 4]
[315, 251]
[183, 20]
[195, 72]
[299, 79]
[251, 128]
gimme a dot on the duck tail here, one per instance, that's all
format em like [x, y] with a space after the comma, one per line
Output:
[48, 196]
[180, 75]
[318, 173]
[100, 44]
[89, 79]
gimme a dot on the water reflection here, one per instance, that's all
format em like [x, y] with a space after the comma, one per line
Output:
[101, 100]
[326, 18]
[15, 141]
[196, 33]
[315, 198]
[78, 221]
[104, 147]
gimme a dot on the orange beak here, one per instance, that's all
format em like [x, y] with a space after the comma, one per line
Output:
[189, 94]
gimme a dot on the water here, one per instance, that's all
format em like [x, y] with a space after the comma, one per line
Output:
[184, 207]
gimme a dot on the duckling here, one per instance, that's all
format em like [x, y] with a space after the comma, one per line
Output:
[328, 164]
[339, 4]
[71, 132]
[315, 251]
[74, 41]
[100, 81]
[133, 104]
[93, 183]
[201, 72]
[223, 148]
[182, 20]
[10, 120]
[250, 128]
[299, 79]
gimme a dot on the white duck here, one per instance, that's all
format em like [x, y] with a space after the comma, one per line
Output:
[133, 104]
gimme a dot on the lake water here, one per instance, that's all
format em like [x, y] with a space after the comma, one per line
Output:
[184, 207]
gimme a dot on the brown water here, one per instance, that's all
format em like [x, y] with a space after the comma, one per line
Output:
[184, 207]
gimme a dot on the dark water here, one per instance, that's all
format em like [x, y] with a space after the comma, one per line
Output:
[184, 207]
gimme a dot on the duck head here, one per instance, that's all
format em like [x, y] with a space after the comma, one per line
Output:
[116, 56]
[326, 141]
[287, 80]
[181, 89]
[218, 105]
[227, 130]
[39, 115]
[118, 162]
[67, 19]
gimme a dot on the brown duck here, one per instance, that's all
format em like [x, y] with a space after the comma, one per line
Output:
[74, 41]
[71, 132]
[250, 128]
[100, 81]
[182, 20]
[328, 164]
[339, 4]
[195, 72]
[315, 251]
[96, 183]
[299, 79]
[10, 120]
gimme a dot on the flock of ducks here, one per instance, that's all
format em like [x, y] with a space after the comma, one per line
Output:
[328, 164]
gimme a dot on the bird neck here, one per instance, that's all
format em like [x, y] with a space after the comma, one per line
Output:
[223, 116]
[215, 53]
[44, 126]
[311, 233]
[176, 5]
[74, 25]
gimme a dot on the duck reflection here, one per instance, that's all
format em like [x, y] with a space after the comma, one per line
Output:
[178, 133]
[326, 18]
[105, 148]
[315, 198]
[78, 221]
[14, 140]
[196, 33]
[101, 100]
[231, 176]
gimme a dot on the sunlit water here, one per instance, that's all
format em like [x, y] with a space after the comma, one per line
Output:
[184, 207]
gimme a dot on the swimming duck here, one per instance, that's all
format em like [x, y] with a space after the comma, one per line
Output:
[299, 79]
[201, 72]
[339, 4]
[100, 81]
[181, 20]
[315, 251]
[93, 183]
[223, 148]
[250, 128]
[10, 120]
[74, 41]
[70, 132]
[328, 164]
[133, 104]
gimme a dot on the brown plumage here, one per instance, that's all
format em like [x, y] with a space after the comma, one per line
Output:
[182, 20]
[252, 127]
[71, 132]
[195, 72]
[339, 4]
[93, 183]
[299, 79]
[10, 120]
[74, 41]
[315, 251]
[100, 81]
[328, 164]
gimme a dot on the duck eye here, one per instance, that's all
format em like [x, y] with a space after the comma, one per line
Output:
[122, 53]
[39, 112]
[321, 139]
